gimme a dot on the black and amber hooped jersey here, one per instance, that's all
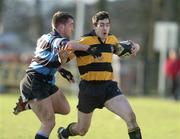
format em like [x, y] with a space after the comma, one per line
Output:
[92, 69]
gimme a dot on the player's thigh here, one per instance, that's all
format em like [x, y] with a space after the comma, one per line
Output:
[60, 103]
[43, 109]
[120, 106]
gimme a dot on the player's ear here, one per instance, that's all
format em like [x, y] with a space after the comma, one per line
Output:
[94, 26]
[60, 27]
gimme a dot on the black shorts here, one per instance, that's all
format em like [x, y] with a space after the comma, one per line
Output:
[93, 95]
[36, 87]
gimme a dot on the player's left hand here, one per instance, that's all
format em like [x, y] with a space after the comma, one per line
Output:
[135, 48]
[66, 74]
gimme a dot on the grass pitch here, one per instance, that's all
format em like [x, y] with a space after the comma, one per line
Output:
[158, 119]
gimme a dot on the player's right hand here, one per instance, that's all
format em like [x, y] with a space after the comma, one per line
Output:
[94, 52]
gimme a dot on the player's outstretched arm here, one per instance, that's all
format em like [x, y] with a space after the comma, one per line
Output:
[75, 46]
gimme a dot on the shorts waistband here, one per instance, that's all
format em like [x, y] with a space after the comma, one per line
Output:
[40, 75]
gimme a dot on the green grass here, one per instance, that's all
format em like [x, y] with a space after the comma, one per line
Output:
[158, 119]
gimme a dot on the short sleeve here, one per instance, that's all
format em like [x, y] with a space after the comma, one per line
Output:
[83, 41]
[114, 39]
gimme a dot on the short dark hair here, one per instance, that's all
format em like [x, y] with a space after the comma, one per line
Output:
[100, 16]
[60, 18]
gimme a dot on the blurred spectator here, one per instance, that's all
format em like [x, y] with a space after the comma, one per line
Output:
[172, 70]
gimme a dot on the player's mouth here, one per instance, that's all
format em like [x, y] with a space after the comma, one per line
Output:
[105, 33]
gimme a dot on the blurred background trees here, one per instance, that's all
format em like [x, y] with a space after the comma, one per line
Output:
[130, 19]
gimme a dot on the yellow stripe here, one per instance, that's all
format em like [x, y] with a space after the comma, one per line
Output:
[97, 76]
[85, 60]
[111, 40]
[92, 40]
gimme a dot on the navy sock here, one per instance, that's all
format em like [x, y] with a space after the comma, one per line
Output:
[65, 133]
[68, 131]
[135, 134]
[41, 135]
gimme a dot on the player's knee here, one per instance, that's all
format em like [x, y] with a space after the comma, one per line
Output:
[66, 110]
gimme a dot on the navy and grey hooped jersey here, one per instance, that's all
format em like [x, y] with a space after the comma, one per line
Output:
[46, 60]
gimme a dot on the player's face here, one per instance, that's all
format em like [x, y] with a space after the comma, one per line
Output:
[68, 28]
[102, 28]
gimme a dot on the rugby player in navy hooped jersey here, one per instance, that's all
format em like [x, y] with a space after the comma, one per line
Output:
[97, 88]
[38, 87]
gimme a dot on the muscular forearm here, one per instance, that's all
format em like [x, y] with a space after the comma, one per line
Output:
[77, 46]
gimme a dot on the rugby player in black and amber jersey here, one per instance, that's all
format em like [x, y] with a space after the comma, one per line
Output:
[97, 88]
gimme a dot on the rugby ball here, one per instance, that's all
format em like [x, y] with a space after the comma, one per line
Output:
[126, 47]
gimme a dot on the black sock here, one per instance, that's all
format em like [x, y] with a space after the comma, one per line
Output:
[65, 133]
[40, 137]
[29, 107]
[135, 133]
[68, 131]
